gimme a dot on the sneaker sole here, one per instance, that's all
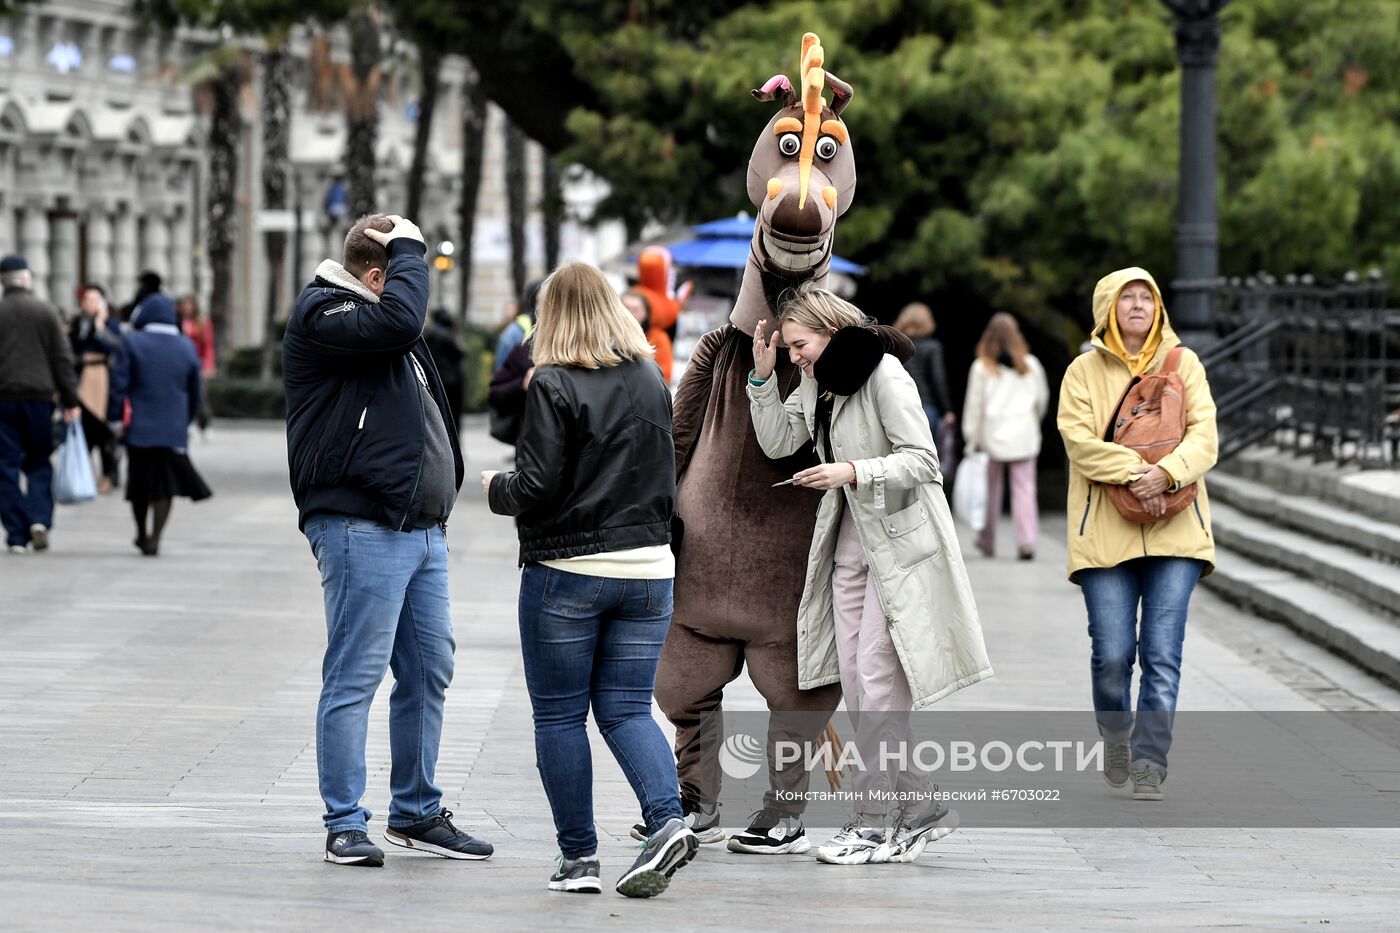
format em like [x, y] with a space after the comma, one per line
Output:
[370, 861]
[1147, 795]
[795, 847]
[860, 857]
[651, 880]
[704, 836]
[578, 886]
[419, 846]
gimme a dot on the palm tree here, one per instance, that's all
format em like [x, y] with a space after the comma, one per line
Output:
[473, 137]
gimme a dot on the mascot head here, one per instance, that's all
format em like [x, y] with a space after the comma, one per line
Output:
[801, 177]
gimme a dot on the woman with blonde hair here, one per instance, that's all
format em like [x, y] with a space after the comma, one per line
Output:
[887, 608]
[1006, 400]
[593, 494]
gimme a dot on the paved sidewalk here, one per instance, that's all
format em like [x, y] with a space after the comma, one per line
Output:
[157, 764]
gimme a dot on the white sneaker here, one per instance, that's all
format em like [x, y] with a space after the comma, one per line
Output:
[19, 549]
[912, 835]
[772, 832]
[855, 844]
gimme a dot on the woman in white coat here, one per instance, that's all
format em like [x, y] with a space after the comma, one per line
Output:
[886, 607]
[1006, 400]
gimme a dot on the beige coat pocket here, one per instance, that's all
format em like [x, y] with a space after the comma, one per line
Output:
[911, 535]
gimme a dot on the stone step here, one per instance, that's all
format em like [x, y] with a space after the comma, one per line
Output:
[1315, 517]
[1373, 493]
[1374, 582]
[1364, 636]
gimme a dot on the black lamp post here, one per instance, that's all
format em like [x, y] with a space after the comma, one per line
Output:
[1197, 226]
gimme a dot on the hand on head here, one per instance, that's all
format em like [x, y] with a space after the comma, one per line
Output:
[401, 228]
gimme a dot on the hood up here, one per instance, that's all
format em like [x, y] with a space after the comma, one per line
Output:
[1105, 334]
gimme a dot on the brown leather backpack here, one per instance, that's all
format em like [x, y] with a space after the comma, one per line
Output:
[1151, 419]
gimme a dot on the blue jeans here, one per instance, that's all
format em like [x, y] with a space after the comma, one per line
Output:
[386, 608]
[26, 443]
[595, 641]
[1163, 586]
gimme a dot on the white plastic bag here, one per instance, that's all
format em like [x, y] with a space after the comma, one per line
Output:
[970, 490]
[73, 480]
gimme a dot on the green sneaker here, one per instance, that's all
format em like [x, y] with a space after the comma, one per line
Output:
[1147, 785]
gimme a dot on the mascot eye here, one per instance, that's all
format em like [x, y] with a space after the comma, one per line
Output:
[826, 147]
[789, 144]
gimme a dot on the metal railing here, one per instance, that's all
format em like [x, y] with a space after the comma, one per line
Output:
[1311, 369]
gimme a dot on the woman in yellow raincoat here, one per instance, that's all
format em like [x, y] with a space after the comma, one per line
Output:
[1120, 564]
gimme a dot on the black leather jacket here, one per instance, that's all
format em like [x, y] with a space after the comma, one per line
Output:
[595, 463]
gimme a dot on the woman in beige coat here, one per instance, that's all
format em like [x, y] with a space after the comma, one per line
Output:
[1120, 565]
[886, 606]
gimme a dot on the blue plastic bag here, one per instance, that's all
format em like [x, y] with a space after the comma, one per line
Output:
[73, 479]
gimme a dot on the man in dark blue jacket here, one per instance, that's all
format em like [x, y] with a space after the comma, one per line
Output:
[375, 470]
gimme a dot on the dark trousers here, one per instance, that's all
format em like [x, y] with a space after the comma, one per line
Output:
[100, 436]
[26, 443]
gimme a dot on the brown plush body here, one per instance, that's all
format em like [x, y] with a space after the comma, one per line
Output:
[740, 573]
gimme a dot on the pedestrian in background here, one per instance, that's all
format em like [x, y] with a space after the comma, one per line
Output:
[1137, 578]
[158, 374]
[640, 308]
[519, 330]
[36, 364]
[147, 283]
[884, 559]
[930, 375]
[96, 340]
[375, 468]
[593, 495]
[1007, 396]
[445, 346]
[198, 329]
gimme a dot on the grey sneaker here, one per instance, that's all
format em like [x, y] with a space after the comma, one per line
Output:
[576, 875]
[666, 850]
[912, 833]
[1115, 769]
[1147, 785]
[855, 844]
[352, 847]
[703, 821]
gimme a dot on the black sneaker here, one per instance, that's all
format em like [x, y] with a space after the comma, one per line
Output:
[772, 832]
[576, 875]
[702, 820]
[668, 849]
[437, 835]
[352, 847]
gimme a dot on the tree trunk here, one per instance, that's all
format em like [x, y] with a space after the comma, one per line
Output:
[430, 70]
[362, 112]
[276, 109]
[515, 197]
[552, 210]
[225, 134]
[473, 136]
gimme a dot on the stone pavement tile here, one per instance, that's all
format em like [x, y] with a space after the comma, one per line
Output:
[164, 746]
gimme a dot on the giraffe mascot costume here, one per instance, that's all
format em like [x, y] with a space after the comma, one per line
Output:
[743, 556]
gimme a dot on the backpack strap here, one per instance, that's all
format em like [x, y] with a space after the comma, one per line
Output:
[1173, 358]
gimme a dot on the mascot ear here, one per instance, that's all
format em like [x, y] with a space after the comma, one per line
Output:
[848, 360]
[774, 88]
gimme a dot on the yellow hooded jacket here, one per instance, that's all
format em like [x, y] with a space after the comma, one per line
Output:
[1092, 387]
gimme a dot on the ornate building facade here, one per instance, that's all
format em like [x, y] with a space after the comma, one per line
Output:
[103, 171]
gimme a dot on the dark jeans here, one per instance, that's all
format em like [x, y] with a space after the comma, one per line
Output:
[26, 443]
[594, 641]
[1163, 586]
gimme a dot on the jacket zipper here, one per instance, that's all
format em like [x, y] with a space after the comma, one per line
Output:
[1088, 499]
[1195, 504]
[315, 466]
